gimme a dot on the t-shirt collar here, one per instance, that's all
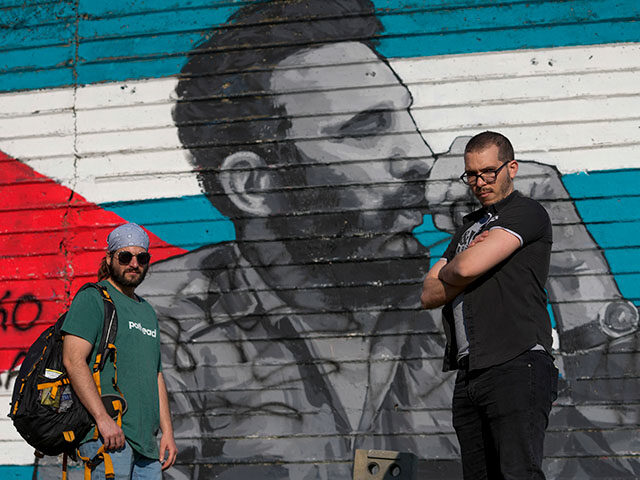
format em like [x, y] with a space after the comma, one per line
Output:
[494, 208]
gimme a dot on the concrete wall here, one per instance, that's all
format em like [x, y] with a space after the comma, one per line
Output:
[296, 191]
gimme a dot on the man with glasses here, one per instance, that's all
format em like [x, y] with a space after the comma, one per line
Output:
[133, 447]
[491, 281]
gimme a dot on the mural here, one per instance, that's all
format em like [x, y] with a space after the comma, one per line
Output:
[298, 177]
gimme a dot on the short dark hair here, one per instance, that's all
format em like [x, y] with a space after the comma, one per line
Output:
[224, 98]
[484, 140]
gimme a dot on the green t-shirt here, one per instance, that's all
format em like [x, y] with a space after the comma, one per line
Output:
[138, 360]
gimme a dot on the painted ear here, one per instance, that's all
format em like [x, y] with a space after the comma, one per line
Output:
[244, 179]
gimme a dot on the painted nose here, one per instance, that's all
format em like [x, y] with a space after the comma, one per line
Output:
[411, 168]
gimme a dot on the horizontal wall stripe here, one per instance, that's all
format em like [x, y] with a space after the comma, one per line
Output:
[150, 23]
[9, 472]
[615, 235]
[602, 183]
[454, 29]
[176, 227]
[32, 80]
[609, 209]
[36, 58]
[40, 23]
[625, 260]
[439, 105]
[529, 37]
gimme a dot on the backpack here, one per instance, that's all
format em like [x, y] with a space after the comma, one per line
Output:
[44, 408]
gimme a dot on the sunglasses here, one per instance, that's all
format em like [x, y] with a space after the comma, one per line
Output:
[124, 258]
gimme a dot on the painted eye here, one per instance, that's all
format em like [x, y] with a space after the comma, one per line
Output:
[365, 123]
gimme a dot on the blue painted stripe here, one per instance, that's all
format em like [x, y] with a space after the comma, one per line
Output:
[491, 41]
[624, 260]
[440, 27]
[20, 16]
[153, 23]
[192, 222]
[489, 28]
[41, 36]
[603, 183]
[11, 472]
[36, 58]
[629, 285]
[129, 69]
[621, 209]
[187, 222]
[96, 8]
[492, 17]
[617, 220]
[615, 235]
[32, 80]
[108, 50]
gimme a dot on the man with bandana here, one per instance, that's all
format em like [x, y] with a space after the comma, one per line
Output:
[133, 447]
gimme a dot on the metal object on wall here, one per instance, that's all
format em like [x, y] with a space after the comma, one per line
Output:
[384, 465]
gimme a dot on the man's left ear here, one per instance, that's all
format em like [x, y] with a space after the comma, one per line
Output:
[513, 168]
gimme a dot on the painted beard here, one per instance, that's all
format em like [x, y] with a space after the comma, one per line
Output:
[118, 275]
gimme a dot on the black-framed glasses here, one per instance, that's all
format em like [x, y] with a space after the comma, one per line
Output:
[488, 176]
[124, 258]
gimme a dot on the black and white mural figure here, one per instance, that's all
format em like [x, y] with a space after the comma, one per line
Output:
[305, 325]
[303, 340]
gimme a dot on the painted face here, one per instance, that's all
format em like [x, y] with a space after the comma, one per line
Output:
[131, 274]
[362, 152]
[485, 161]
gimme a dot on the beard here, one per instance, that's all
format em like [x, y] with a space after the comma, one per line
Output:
[118, 275]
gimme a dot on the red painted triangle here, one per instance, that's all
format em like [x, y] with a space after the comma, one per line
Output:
[51, 242]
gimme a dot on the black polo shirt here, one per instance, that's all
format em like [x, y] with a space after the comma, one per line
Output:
[504, 310]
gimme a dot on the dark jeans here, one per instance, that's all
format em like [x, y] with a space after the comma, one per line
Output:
[500, 415]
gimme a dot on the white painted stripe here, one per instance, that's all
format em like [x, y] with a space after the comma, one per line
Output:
[576, 108]
[128, 140]
[159, 90]
[526, 88]
[14, 451]
[35, 102]
[33, 147]
[126, 146]
[125, 118]
[42, 125]
[545, 61]
[573, 107]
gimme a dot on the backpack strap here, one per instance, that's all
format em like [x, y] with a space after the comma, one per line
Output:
[106, 350]
[91, 463]
[106, 347]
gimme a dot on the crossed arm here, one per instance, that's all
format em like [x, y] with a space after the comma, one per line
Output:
[446, 280]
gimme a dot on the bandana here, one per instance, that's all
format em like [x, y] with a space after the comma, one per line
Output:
[127, 235]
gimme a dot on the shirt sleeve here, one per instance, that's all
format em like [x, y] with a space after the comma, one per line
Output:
[450, 252]
[85, 317]
[528, 221]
